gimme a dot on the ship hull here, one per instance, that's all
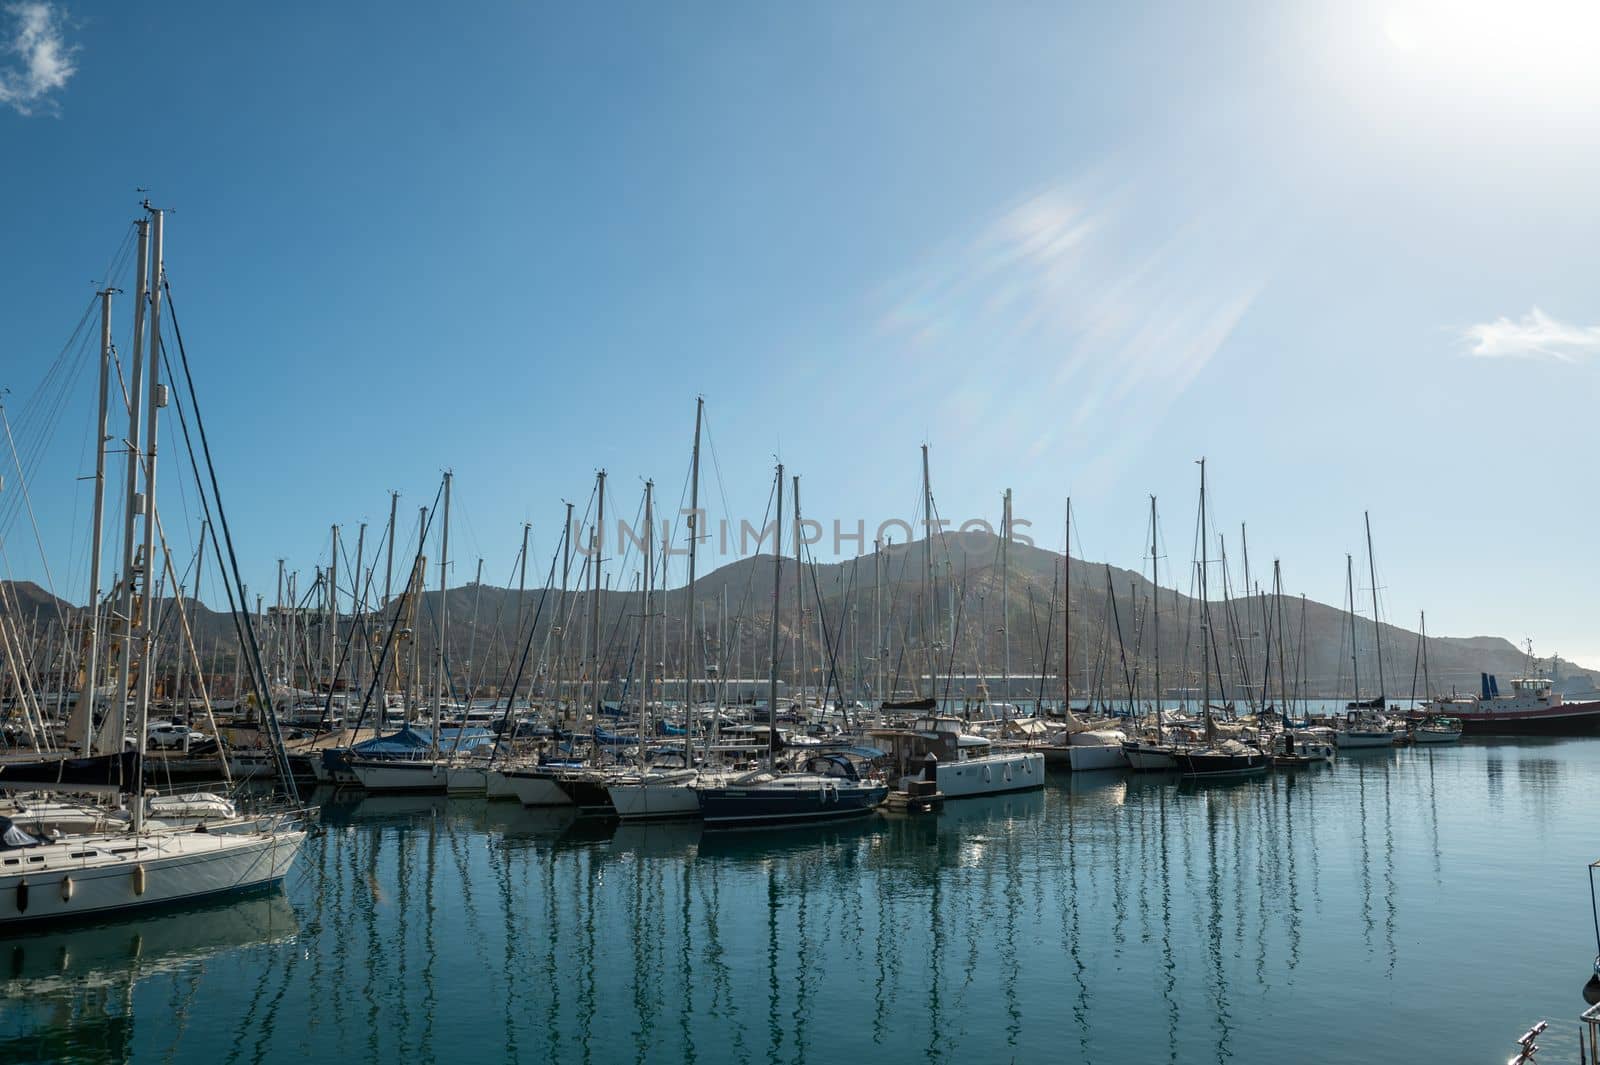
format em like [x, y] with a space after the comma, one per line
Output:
[1569, 719]
[733, 807]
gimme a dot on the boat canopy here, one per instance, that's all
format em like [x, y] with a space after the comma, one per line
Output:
[406, 741]
[14, 838]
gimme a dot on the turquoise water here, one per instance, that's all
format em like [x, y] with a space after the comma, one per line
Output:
[1407, 905]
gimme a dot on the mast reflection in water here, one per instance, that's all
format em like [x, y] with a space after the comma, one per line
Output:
[1422, 903]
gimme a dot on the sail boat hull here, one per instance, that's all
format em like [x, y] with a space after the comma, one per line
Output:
[1356, 738]
[85, 877]
[665, 800]
[1219, 764]
[400, 776]
[535, 787]
[788, 803]
[1148, 758]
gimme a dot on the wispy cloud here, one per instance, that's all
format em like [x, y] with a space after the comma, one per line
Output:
[1535, 335]
[42, 60]
[1071, 308]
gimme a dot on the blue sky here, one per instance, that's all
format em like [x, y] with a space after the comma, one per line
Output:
[1343, 250]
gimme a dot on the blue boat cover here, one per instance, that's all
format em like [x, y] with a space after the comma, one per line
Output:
[406, 741]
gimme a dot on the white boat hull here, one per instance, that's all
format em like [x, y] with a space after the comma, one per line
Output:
[1346, 739]
[655, 801]
[466, 780]
[102, 875]
[536, 789]
[1144, 758]
[401, 776]
[1423, 735]
[496, 787]
[992, 774]
[1091, 756]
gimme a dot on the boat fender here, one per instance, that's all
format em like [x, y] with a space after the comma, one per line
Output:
[1008, 772]
[138, 880]
[988, 774]
[830, 793]
[22, 896]
[66, 889]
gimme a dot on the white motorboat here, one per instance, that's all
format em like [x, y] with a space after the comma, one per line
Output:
[960, 764]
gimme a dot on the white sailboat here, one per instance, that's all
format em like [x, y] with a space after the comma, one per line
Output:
[146, 864]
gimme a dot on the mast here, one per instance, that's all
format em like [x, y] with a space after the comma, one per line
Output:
[388, 588]
[1155, 615]
[1422, 635]
[561, 609]
[522, 588]
[927, 582]
[416, 584]
[117, 715]
[155, 400]
[878, 650]
[1246, 652]
[772, 660]
[799, 604]
[1005, 600]
[1066, 618]
[1277, 608]
[1377, 629]
[1350, 586]
[1205, 615]
[693, 645]
[388, 569]
[357, 604]
[330, 599]
[88, 698]
[644, 623]
[444, 614]
[594, 611]
[471, 664]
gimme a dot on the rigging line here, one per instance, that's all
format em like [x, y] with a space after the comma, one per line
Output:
[243, 623]
[414, 589]
[41, 410]
[527, 649]
[27, 501]
[118, 259]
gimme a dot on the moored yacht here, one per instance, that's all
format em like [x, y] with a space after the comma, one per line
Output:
[828, 787]
[83, 876]
[938, 750]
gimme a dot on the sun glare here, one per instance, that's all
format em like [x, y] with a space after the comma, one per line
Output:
[1520, 43]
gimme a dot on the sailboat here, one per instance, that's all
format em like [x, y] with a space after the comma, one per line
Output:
[1153, 753]
[104, 873]
[1365, 724]
[827, 786]
[660, 793]
[1229, 758]
[937, 753]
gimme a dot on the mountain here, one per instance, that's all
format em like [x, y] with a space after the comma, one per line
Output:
[488, 628]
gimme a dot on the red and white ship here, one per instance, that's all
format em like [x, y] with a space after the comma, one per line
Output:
[1532, 708]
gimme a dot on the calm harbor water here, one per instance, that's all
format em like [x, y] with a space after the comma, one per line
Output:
[1406, 905]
